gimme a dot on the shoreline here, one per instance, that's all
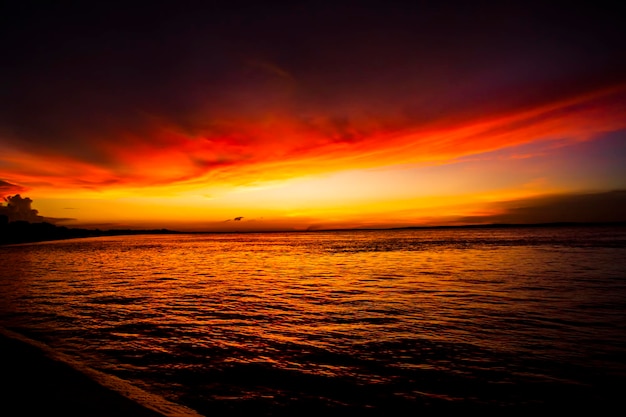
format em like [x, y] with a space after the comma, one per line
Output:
[41, 381]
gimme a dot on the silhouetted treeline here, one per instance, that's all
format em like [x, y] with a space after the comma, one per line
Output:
[24, 232]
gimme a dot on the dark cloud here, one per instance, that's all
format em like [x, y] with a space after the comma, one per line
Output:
[591, 207]
[19, 209]
[236, 219]
[86, 75]
[7, 188]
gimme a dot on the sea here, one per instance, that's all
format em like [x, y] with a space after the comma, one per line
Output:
[376, 322]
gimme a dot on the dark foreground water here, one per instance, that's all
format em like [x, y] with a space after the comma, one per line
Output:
[346, 323]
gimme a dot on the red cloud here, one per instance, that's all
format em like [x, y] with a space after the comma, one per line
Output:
[276, 145]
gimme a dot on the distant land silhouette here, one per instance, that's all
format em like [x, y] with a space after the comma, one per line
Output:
[487, 226]
[25, 232]
[510, 225]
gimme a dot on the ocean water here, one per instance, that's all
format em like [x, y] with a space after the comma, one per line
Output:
[402, 322]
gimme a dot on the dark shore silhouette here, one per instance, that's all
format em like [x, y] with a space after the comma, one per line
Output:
[41, 382]
[25, 232]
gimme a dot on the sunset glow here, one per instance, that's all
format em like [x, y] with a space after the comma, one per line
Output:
[394, 134]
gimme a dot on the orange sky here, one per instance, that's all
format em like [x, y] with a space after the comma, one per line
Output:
[367, 129]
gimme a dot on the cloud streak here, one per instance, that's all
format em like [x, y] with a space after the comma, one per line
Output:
[7, 188]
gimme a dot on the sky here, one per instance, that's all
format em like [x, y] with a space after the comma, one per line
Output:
[304, 115]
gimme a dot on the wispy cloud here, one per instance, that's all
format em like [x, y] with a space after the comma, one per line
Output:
[6, 188]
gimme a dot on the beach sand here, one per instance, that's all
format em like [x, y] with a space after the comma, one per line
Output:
[38, 382]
